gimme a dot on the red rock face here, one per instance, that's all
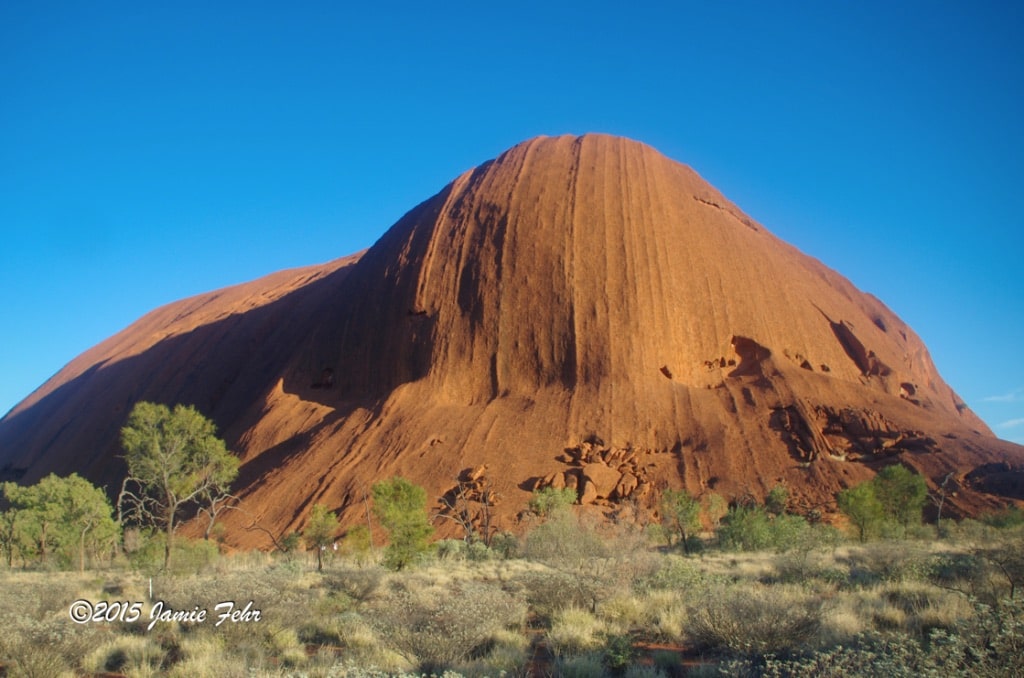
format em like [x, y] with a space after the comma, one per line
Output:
[579, 312]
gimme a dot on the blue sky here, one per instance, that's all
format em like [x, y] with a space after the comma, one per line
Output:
[149, 154]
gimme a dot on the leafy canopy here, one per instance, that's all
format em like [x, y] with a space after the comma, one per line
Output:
[400, 506]
[902, 494]
[894, 498]
[173, 457]
[319, 532]
[861, 506]
[69, 517]
[680, 514]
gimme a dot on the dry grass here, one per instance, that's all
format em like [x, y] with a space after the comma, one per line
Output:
[575, 631]
[486, 617]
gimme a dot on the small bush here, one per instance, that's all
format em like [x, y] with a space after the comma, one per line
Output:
[188, 556]
[548, 501]
[509, 654]
[450, 549]
[755, 619]
[564, 542]
[126, 654]
[358, 583]
[505, 545]
[1007, 518]
[438, 628]
[550, 591]
[673, 572]
[988, 644]
[618, 652]
[590, 665]
[754, 529]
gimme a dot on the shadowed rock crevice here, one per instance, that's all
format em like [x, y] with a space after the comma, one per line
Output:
[751, 355]
[866, 361]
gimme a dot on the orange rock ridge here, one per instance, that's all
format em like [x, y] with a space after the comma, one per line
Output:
[580, 311]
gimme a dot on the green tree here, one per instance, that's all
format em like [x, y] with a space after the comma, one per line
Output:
[88, 513]
[357, 543]
[174, 458]
[38, 514]
[680, 514]
[746, 528]
[319, 532]
[400, 506]
[863, 509]
[69, 516]
[10, 534]
[902, 494]
[752, 528]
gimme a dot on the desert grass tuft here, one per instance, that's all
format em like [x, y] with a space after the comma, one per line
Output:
[574, 631]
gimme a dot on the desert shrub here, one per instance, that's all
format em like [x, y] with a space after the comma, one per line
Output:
[672, 572]
[450, 549]
[548, 501]
[204, 655]
[438, 628]
[508, 654]
[549, 591]
[477, 551]
[745, 529]
[36, 636]
[1005, 561]
[1009, 517]
[618, 652]
[188, 556]
[357, 583]
[27, 658]
[989, 572]
[754, 619]
[666, 662]
[754, 529]
[357, 544]
[505, 545]
[804, 561]
[589, 665]
[777, 500]
[925, 607]
[788, 532]
[361, 645]
[643, 671]
[988, 644]
[563, 541]
[887, 561]
[126, 654]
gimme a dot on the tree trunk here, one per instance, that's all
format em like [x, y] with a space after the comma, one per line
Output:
[42, 542]
[167, 540]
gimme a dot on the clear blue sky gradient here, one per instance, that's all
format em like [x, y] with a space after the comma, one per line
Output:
[148, 154]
